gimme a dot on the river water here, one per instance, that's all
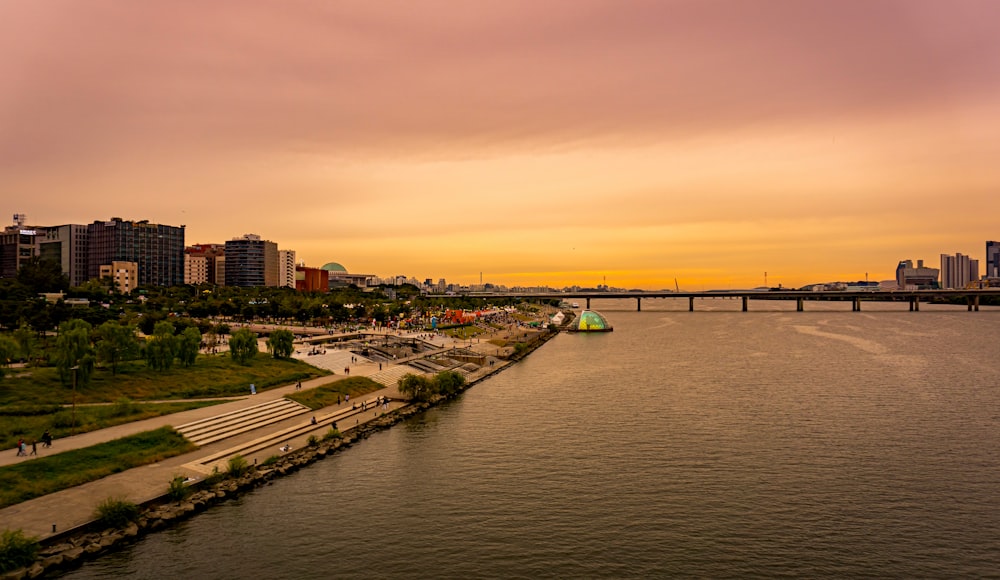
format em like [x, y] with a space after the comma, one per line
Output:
[718, 443]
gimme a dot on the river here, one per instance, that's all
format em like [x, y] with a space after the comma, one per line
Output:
[825, 443]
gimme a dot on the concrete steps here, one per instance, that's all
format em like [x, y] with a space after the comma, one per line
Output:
[390, 376]
[233, 423]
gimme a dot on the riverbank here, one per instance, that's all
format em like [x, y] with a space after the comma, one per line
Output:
[87, 540]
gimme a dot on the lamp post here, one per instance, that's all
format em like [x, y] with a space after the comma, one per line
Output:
[75, 369]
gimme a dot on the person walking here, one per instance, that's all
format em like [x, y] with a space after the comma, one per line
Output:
[20, 448]
[253, 389]
[34, 447]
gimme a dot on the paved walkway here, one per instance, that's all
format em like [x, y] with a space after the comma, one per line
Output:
[63, 510]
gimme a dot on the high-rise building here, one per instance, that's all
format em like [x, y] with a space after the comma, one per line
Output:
[286, 268]
[251, 262]
[993, 259]
[158, 250]
[958, 270]
[913, 278]
[69, 246]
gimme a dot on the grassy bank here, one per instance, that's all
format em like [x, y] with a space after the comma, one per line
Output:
[326, 395]
[30, 422]
[44, 475]
[210, 376]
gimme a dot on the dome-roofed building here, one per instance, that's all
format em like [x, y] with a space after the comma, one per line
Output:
[339, 277]
[333, 267]
[591, 321]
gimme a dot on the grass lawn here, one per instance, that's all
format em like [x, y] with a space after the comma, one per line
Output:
[29, 423]
[210, 376]
[44, 475]
[326, 395]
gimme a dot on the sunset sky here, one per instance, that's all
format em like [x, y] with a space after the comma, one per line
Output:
[538, 142]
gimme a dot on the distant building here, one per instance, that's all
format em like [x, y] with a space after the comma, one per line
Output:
[251, 262]
[339, 277]
[124, 275]
[918, 278]
[286, 268]
[158, 250]
[958, 271]
[201, 263]
[17, 246]
[311, 279]
[993, 260]
[69, 246]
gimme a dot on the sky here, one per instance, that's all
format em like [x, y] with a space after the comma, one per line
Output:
[532, 142]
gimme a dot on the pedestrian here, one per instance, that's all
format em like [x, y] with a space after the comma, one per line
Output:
[347, 397]
[314, 420]
[253, 389]
[298, 386]
[20, 447]
[46, 439]
[34, 447]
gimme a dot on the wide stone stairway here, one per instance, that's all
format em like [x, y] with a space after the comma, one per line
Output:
[227, 425]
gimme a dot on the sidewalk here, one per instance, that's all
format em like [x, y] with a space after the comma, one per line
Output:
[75, 506]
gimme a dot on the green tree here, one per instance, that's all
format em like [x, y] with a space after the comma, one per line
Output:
[243, 345]
[42, 276]
[281, 344]
[188, 344]
[117, 343]
[73, 351]
[448, 382]
[8, 352]
[161, 348]
[418, 388]
[25, 338]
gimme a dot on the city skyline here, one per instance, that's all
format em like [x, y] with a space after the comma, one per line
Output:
[555, 143]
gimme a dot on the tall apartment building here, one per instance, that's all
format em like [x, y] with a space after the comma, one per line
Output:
[201, 264]
[909, 277]
[993, 259]
[69, 246]
[286, 268]
[158, 250]
[958, 270]
[251, 261]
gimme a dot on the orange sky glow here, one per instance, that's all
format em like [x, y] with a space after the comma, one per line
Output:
[541, 142]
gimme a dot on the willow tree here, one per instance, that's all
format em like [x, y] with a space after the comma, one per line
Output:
[73, 353]
[281, 344]
[243, 345]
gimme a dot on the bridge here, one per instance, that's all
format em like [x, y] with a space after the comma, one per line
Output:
[914, 297]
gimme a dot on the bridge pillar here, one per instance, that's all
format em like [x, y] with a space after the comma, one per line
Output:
[968, 302]
[745, 303]
[588, 303]
[690, 303]
[638, 304]
[976, 303]
[916, 304]
[857, 304]
[798, 305]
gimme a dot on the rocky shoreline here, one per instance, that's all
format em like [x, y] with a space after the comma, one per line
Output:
[90, 541]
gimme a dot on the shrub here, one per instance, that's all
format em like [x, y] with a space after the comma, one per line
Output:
[16, 550]
[312, 441]
[123, 407]
[215, 477]
[271, 460]
[238, 466]
[116, 512]
[178, 490]
[332, 434]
